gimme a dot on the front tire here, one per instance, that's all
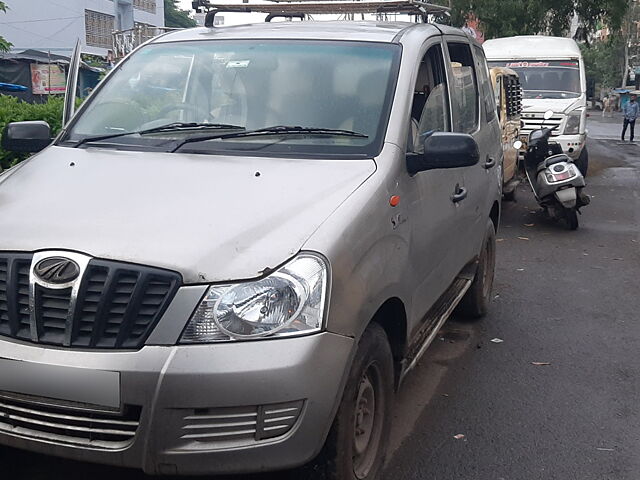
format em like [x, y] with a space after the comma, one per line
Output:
[475, 302]
[356, 446]
[583, 161]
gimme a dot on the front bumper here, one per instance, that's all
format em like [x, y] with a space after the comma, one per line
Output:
[205, 409]
[572, 145]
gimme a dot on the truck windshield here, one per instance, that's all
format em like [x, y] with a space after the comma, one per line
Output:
[546, 78]
[306, 94]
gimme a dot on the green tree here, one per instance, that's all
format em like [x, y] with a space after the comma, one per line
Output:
[174, 17]
[604, 61]
[4, 45]
[504, 18]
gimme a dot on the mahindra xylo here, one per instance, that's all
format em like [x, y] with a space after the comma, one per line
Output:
[242, 242]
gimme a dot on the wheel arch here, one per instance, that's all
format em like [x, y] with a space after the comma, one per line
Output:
[392, 317]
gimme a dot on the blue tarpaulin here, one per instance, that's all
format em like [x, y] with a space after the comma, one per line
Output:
[12, 87]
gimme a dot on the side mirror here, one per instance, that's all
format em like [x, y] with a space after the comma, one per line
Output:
[444, 150]
[26, 137]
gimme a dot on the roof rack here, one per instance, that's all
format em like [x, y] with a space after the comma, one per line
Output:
[305, 8]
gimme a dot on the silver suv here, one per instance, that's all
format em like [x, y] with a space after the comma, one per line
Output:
[241, 244]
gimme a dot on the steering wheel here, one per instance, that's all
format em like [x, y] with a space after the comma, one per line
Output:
[197, 109]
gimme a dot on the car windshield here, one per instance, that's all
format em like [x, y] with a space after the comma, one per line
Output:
[546, 78]
[321, 88]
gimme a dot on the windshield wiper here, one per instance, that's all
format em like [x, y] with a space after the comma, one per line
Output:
[169, 127]
[275, 130]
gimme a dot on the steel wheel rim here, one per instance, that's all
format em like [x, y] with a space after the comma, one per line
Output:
[367, 423]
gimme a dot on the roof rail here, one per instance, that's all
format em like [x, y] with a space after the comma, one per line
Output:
[312, 7]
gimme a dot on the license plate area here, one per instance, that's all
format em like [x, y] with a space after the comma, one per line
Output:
[92, 388]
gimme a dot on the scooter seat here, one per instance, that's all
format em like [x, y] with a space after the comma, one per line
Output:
[552, 160]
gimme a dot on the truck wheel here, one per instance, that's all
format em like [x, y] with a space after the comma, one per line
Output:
[475, 302]
[583, 162]
[356, 446]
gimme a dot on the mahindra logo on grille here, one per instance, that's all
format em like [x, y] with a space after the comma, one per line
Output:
[57, 270]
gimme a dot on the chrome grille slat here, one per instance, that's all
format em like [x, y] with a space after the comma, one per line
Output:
[62, 426]
[117, 304]
[219, 425]
[276, 427]
[280, 419]
[214, 417]
[68, 425]
[32, 411]
[536, 120]
[202, 436]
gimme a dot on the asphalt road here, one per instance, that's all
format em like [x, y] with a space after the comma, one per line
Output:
[565, 298]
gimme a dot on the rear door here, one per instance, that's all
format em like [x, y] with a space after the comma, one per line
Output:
[433, 212]
[474, 112]
[489, 138]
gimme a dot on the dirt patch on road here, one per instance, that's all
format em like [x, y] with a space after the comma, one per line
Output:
[605, 154]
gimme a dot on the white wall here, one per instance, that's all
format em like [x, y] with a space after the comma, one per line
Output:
[44, 25]
[55, 25]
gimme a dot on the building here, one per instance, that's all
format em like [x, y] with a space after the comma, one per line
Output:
[55, 25]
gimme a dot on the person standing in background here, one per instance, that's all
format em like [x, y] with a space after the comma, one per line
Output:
[630, 111]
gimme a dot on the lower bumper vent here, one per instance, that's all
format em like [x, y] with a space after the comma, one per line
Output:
[230, 427]
[67, 425]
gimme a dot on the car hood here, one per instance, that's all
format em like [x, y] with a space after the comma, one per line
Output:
[211, 218]
[557, 105]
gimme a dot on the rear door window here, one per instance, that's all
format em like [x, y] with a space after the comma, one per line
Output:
[463, 89]
[485, 85]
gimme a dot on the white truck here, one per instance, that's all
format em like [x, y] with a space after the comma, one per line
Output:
[551, 72]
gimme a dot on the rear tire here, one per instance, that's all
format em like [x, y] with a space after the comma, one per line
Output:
[583, 162]
[475, 302]
[571, 217]
[356, 446]
[510, 196]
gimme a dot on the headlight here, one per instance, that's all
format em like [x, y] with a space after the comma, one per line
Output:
[573, 123]
[290, 301]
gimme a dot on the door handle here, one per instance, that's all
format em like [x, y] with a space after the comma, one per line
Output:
[490, 162]
[459, 194]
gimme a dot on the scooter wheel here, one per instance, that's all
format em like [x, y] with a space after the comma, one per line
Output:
[571, 217]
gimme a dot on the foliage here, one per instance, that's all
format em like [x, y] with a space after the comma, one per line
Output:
[4, 45]
[504, 18]
[174, 17]
[14, 110]
[604, 61]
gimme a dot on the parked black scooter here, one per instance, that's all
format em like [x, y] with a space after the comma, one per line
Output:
[556, 182]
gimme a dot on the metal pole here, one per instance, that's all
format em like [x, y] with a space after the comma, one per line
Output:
[49, 73]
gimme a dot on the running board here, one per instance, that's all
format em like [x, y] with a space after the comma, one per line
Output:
[435, 318]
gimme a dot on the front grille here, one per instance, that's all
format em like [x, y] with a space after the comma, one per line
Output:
[227, 427]
[533, 121]
[117, 305]
[65, 424]
[14, 295]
